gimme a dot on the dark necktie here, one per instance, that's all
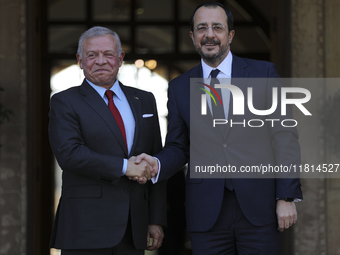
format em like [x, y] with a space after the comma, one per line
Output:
[116, 114]
[218, 113]
[217, 110]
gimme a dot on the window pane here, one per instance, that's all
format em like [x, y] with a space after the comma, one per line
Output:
[64, 74]
[66, 9]
[109, 10]
[182, 66]
[250, 40]
[154, 10]
[124, 35]
[186, 8]
[64, 39]
[154, 40]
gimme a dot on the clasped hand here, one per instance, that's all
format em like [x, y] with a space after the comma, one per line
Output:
[141, 168]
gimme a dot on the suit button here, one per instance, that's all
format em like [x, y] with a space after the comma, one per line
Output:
[224, 145]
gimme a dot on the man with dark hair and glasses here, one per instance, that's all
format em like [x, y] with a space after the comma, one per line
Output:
[225, 215]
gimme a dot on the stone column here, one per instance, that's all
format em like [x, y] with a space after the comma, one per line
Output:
[332, 69]
[308, 62]
[13, 133]
[316, 54]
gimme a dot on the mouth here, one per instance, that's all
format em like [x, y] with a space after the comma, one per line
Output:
[100, 70]
[210, 44]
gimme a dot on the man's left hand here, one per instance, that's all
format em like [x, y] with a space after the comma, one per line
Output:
[155, 232]
[286, 214]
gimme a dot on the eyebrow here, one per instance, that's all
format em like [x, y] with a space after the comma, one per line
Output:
[92, 51]
[112, 51]
[206, 24]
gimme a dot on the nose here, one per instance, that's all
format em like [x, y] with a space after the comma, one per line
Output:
[100, 60]
[210, 33]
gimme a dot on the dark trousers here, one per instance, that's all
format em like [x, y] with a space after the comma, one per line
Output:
[125, 247]
[233, 234]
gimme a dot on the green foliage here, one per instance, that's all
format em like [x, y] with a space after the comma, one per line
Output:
[331, 122]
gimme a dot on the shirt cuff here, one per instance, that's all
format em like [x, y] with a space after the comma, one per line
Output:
[155, 178]
[124, 166]
[295, 200]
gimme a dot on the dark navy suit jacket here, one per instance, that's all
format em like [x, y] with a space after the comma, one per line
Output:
[96, 200]
[240, 146]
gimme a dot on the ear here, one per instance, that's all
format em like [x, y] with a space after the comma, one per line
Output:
[80, 61]
[121, 58]
[231, 36]
[192, 37]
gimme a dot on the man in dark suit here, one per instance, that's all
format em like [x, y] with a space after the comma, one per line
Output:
[101, 211]
[225, 215]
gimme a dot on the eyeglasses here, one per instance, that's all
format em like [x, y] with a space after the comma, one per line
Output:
[215, 28]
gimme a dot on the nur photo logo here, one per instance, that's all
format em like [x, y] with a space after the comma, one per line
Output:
[278, 94]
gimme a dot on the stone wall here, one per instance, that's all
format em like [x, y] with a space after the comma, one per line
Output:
[13, 134]
[316, 53]
[332, 69]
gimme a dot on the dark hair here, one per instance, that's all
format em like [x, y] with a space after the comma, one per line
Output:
[230, 18]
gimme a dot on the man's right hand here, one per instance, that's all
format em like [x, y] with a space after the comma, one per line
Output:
[142, 170]
[151, 161]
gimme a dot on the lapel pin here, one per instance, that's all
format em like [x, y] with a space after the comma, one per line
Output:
[135, 97]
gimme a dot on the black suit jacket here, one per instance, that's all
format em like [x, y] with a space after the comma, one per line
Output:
[240, 146]
[96, 200]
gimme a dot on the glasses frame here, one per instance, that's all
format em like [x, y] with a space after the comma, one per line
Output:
[202, 29]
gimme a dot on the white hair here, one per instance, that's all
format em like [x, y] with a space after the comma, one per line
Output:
[96, 32]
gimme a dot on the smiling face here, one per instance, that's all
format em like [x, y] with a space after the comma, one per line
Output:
[101, 60]
[213, 46]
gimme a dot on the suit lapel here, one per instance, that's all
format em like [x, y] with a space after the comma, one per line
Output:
[195, 94]
[239, 70]
[208, 118]
[97, 103]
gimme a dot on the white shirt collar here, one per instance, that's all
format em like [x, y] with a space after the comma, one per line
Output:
[101, 90]
[224, 67]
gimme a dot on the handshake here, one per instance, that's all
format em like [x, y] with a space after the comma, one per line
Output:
[142, 168]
